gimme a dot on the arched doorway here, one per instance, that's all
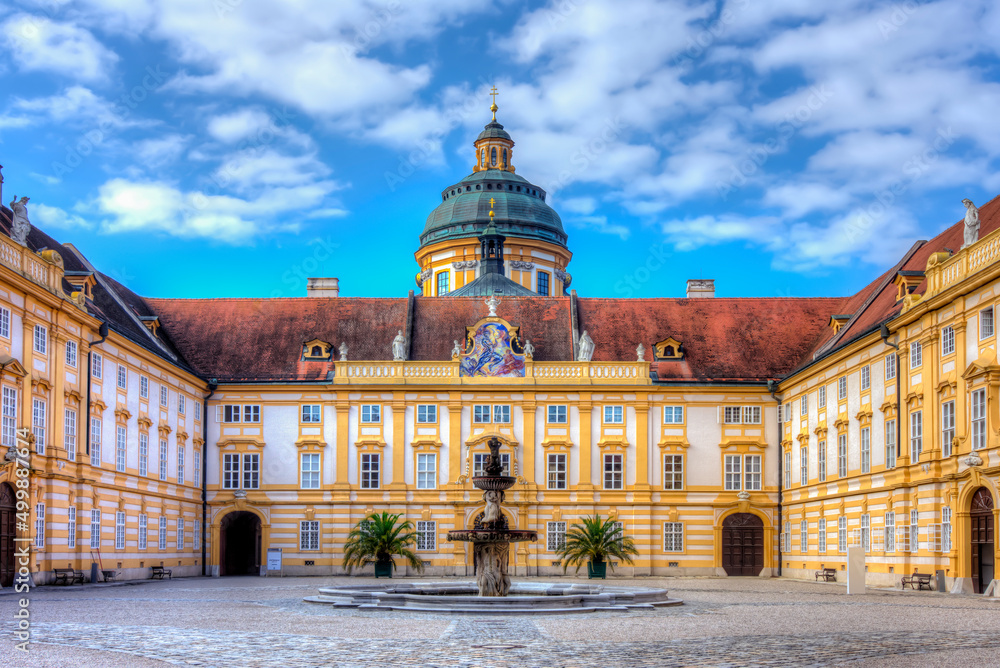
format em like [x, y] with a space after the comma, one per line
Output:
[743, 544]
[981, 548]
[7, 532]
[239, 544]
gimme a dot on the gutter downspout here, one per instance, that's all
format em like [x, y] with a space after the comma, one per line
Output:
[204, 478]
[103, 332]
[772, 387]
[899, 426]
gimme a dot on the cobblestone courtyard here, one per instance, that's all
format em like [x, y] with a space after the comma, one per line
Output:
[262, 623]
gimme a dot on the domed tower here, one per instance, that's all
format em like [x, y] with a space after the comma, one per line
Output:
[534, 248]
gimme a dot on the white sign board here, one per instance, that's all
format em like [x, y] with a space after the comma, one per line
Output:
[855, 569]
[274, 558]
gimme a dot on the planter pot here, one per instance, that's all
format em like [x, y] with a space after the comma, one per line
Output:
[597, 570]
[383, 570]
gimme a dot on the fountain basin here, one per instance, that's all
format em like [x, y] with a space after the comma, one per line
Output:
[524, 598]
[493, 483]
[492, 536]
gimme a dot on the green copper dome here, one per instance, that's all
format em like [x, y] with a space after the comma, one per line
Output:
[520, 209]
[493, 130]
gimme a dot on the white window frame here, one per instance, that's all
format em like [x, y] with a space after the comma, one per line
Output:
[842, 388]
[751, 415]
[733, 473]
[842, 534]
[821, 535]
[39, 412]
[673, 536]
[164, 453]
[72, 354]
[180, 463]
[95, 528]
[866, 450]
[804, 536]
[557, 414]
[614, 470]
[866, 378]
[804, 405]
[753, 472]
[161, 534]
[614, 414]
[890, 443]
[890, 531]
[96, 366]
[309, 470]
[482, 414]
[120, 530]
[426, 536]
[427, 414]
[673, 415]
[732, 415]
[143, 454]
[121, 448]
[164, 396]
[556, 470]
[866, 532]
[947, 341]
[946, 529]
[977, 410]
[427, 470]
[371, 414]
[143, 387]
[987, 324]
[842, 455]
[370, 473]
[71, 527]
[181, 404]
[143, 531]
[250, 463]
[821, 460]
[821, 397]
[916, 435]
[555, 536]
[40, 340]
[39, 526]
[309, 535]
[96, 436]
[890, 366]
[502, 414]
[231, 470]
[804, 465]
[121, 379]
[916, 354]
[673, 471]
[4, 322]
[8, 434]
[948, 427]
[311, 414]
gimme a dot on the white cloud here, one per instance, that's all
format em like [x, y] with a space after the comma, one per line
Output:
[45, 216]
[39, 44]
[79, 106]
[156, 152]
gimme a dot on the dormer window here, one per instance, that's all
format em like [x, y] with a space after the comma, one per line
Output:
[316, 350]
[668, 349]
[907, 281]
[838, 321]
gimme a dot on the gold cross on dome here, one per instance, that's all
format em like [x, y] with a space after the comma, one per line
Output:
[494, 107]
[492, 202]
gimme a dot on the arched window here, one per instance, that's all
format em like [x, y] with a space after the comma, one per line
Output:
[493, 156]
[482, 157]
[316, 351]
[504, 164]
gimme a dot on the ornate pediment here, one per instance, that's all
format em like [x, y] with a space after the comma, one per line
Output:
[493, 349]
[10, 365]
[985, 365]
[668, 349]
[317, 349]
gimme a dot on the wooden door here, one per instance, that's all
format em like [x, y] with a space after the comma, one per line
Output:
[743, 545]
[7, 533]
[981, 547]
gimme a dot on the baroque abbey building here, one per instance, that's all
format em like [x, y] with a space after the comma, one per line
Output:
[729, 436]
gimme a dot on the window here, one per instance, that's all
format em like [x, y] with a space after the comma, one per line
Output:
[196, 535]
[914, 529]
[426, 471]
[197, 411]
[803, 536]
[309, 535]
[481, 413]
[310, 413]
[946, 529]
[890, 532]
[842, 455]
[41, 340]
[751, 415]
[371, 413]
[673, 472]
[556, 468]
[122, 377]
[866, 532]
[787, 414]
[95, 529]
[38, 424]
[479, 463]
[788, 467]
[866, 377]
[71, 527]
[144, 387]
[442, 283]
[426, 536]
[890, 444]
[732, 415]
[673, 415]
[978, 419]
[119, 530]
[986, 323]
[96, 365]
[948, 426]
[71, 354]
[947, 340]
[251, 471]
[369, 471]
[821, 460]
[232, 413]
[613, 478]
[614, 415]
[557, 415]
[821, 397]
[310, 471]
[501, 414]
[120, 445]
[181, 404]
[230, 471]
[164, 397]
[787, 535]
[916, 435]
[180, 464]
[143, 531]
[804, 405]
[39, 525]
[162, 534]
[842, 388]
[555, 536]
[841, 534]
[673, 537]
[197, 467]
[9, 430]
[821, 534]
[543, 283]
[752, 472]
[734, 473]
[866, 449]
[804, 465]
[916, 354]
[163, 459]
[427, 414]
[95, 442]
[4, 322]
[143, 454]
[890, 367]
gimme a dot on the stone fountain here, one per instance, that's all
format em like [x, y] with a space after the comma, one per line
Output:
[491, 538]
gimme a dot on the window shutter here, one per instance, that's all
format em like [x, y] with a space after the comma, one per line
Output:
[218, 413]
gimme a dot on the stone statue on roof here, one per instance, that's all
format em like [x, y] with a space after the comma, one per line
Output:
[20, 227]
[456, 351]
[586, 347]
[343, 351]
[529, 349]
[971, 223]
[640, 353]
[399, 348]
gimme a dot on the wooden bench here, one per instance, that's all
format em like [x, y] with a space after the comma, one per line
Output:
[67, 576]
[159, 572]
[916, 581]
[828, 574]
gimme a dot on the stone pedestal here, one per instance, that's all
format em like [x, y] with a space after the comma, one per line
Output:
[491, 568]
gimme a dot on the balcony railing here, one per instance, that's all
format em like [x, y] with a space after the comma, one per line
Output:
[943, 271]
[536, 373]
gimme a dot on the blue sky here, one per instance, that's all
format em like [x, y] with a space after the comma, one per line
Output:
[234, 147]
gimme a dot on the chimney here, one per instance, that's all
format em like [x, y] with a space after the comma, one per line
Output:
[323, 287]
[700, 288]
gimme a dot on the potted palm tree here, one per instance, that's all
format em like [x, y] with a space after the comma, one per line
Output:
[593, 540]
[376, 540]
